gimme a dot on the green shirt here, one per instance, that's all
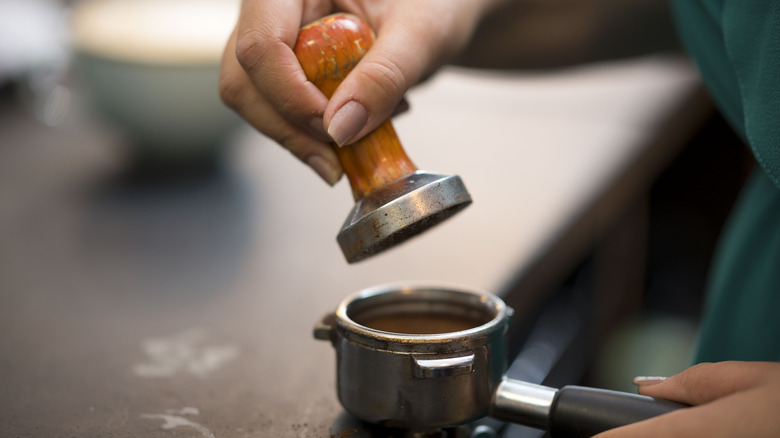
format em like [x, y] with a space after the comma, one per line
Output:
[736, 45]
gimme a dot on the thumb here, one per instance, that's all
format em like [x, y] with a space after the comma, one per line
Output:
[371, 91]
[406, 49]
[708, 381]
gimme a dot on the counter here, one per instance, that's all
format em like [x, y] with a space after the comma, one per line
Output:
[187, 310]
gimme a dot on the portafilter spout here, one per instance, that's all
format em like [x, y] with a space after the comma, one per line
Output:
[393, 199]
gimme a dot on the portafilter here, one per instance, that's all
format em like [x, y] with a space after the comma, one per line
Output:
[426, 357]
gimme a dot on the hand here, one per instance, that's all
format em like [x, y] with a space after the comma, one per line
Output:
[262, 80]
[728, 399]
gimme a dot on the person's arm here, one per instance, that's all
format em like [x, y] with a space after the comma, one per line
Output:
[542, 34]
[728, 399]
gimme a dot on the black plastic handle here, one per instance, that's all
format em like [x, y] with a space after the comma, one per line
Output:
[583, 412]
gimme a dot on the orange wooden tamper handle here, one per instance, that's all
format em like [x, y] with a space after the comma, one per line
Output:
[328, 49]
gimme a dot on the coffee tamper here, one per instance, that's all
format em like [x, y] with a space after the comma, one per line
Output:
[393, 199]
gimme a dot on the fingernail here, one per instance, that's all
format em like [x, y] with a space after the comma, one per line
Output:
[648, 380]
[327, 171]
[347, 122]
[317, 128]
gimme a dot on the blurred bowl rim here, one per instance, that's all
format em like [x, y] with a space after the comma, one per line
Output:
[95, 32]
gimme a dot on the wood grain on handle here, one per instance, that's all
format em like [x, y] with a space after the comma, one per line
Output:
[328, 49]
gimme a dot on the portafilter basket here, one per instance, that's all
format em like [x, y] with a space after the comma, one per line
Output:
[426, 357]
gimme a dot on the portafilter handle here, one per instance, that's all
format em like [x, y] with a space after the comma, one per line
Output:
[328, 49]
[573, 411]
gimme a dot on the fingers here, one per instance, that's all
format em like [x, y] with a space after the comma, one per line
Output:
[265, 35]
[729, 398]
[263, 81]
[709, 381]
[748, 413]
[238, 92]
[676, 424]
[407, 48]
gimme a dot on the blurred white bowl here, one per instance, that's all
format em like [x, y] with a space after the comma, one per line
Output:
[152, 68]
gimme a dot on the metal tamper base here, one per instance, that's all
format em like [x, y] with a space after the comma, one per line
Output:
[400, 210]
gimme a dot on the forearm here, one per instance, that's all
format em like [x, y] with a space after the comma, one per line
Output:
[544, 33]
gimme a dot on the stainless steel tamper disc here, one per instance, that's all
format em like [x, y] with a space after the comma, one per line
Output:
[400, 210]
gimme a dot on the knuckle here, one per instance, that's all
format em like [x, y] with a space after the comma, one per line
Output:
[288, 140]
[252, 49]
[388, 76]
[231, 88]
[689, 381]
[295, 143]
[288, 105]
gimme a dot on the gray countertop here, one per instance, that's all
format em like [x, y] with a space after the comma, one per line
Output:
[186, 310]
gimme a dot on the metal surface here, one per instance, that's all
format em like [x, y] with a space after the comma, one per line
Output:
[523, 403]
[449, 366]
[399, 211]
[433, 380]
[456, 372]
[453, 374]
